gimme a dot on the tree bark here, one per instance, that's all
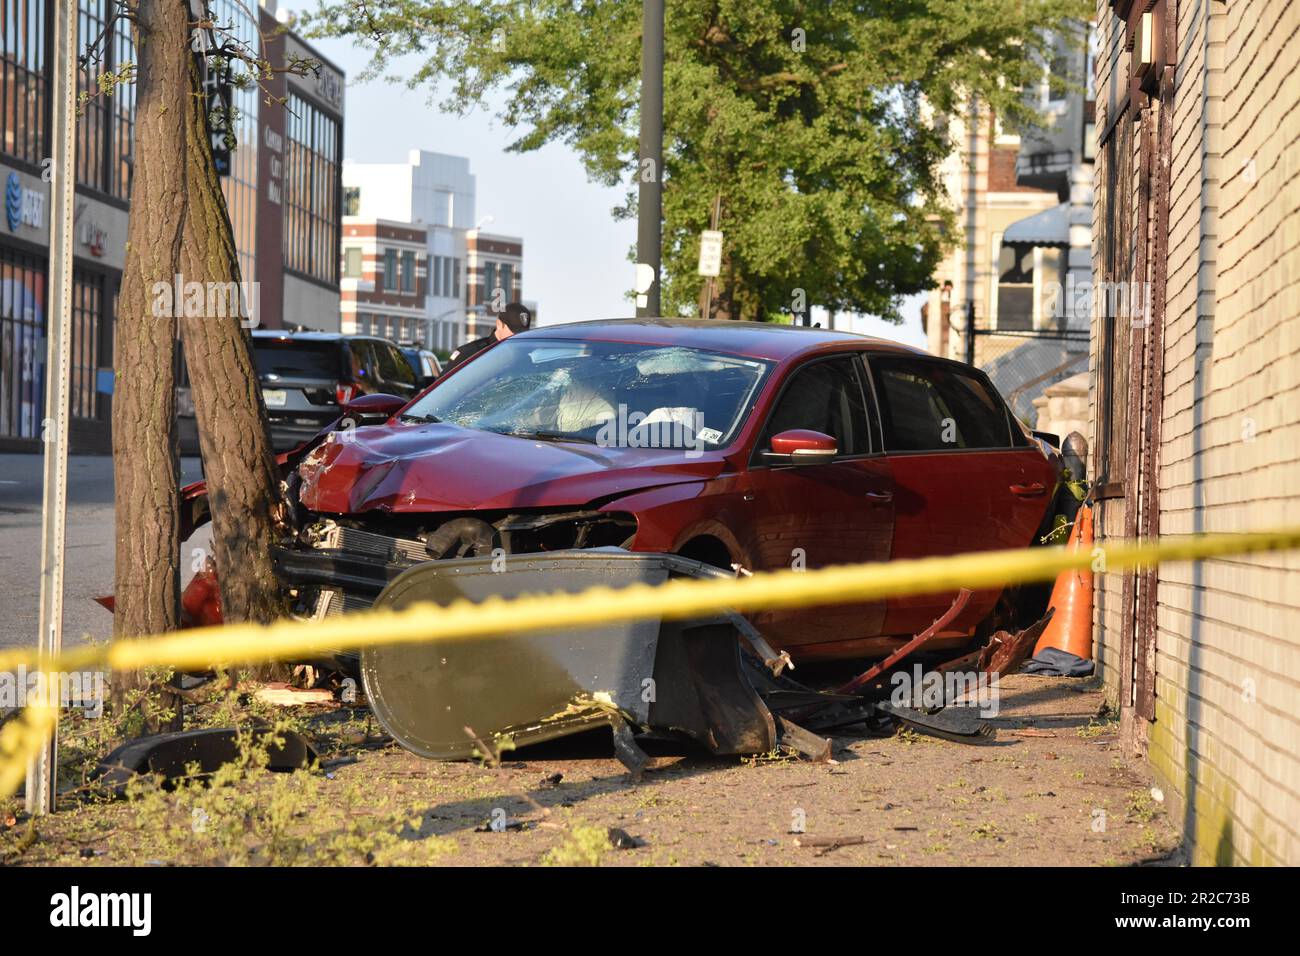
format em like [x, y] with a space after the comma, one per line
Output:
[180, 233]
[243, 481]
[145, 469]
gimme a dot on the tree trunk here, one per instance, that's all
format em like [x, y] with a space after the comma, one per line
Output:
[145, 471]
[243, 482]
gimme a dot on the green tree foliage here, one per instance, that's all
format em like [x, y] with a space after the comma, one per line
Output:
[812, 121]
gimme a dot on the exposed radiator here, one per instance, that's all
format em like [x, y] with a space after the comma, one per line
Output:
[382, 546]
[333, 601]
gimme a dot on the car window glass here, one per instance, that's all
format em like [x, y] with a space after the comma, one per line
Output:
[930, 406]
[363, 363]
[393, 366]
[824, 397]
[296, 358]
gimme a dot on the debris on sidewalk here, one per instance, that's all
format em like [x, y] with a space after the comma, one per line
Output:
[620, 839]
[282, 694]
[828, 844]
[172, 755]
[1054, 662]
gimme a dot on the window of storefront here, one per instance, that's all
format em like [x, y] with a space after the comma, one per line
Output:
[106, 123]
[87, 322]
[22, 344]
[123, 112]
[240, 185]
[23, 318]
[22, 83]
[311, 229]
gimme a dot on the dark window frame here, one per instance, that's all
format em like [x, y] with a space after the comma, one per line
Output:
[1115, 241]
[1015, 436]
[313, 192]
[874, 447]
[23, 81]
[407, 268]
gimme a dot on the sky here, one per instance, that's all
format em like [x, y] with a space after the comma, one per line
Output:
[576, 262]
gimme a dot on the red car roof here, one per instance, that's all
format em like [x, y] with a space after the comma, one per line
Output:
[763, 340]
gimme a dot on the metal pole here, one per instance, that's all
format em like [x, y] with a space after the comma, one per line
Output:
[42, 775]
[970, 332]
[650, 171]
[706, 310]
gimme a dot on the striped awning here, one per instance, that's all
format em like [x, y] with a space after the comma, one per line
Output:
[1051, 227]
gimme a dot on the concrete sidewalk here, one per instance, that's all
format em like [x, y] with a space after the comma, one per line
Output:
[1053, 789]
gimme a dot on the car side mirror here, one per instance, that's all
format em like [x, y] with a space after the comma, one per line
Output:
[801, 446]
[375, 405]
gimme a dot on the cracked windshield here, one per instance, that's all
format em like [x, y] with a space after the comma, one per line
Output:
[601, 393]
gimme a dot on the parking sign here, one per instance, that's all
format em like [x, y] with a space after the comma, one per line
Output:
[710, 252]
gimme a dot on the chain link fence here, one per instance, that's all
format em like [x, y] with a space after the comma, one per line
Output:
[1024, 363]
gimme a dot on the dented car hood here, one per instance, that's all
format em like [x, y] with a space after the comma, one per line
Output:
[442, 467]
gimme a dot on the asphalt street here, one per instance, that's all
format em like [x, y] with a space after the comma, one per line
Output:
[89, 551]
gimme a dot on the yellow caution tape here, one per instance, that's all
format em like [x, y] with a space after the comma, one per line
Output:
[20, 739]
[675, 599]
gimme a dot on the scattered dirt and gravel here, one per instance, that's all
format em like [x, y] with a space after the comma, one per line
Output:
[1052, 789]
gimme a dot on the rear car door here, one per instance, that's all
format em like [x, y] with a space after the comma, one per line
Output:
[966, 477]
[814, 516]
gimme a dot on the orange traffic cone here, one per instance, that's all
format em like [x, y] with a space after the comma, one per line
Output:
[1070, 628]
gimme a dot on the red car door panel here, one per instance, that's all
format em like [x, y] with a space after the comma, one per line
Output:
[965, 478]
[818, 515]
[956, 502]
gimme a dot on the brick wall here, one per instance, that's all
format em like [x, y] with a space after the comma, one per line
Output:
[1226, 740]
[1111, 66]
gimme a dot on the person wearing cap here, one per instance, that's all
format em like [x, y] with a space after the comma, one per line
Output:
[514, 318]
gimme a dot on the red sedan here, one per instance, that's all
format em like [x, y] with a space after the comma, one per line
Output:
[742, 445]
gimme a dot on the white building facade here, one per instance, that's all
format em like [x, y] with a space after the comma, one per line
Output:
[435, 193]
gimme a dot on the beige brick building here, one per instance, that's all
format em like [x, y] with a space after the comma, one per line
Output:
[1195, 404]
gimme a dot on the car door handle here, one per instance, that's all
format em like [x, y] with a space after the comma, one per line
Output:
[1031, 490]
[880, 495]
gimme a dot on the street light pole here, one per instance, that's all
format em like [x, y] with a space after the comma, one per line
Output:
[970, 332]
[650, 167]
[42, 774]
[458, 310]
